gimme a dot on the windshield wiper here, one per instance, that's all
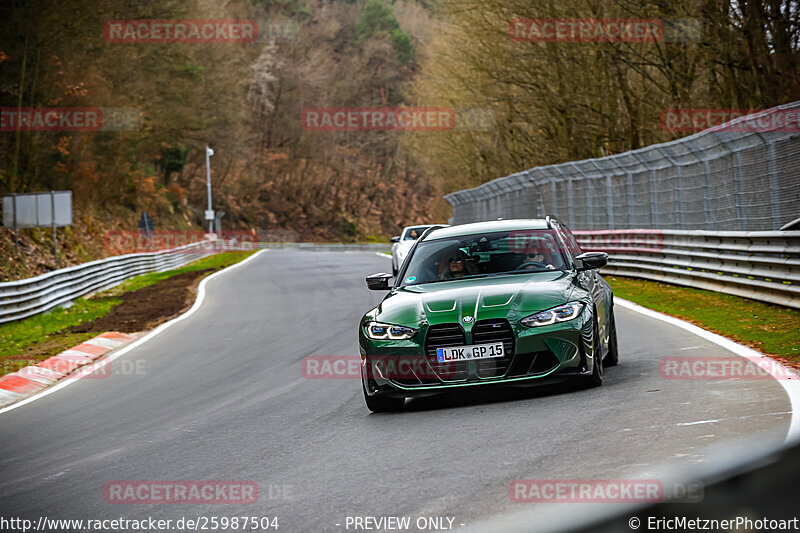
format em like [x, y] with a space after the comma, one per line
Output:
[511, 272]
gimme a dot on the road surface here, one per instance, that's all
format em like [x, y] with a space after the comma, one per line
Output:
[220, 396]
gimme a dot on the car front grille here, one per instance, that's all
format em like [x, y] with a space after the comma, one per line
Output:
[443, 336]
[488, 332]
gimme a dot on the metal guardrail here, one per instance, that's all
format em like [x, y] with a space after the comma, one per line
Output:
[28, 297]
[762, 265]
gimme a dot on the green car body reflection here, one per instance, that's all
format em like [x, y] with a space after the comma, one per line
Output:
[502, 303]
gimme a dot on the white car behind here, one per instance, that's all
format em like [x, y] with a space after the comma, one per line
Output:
[402, 244]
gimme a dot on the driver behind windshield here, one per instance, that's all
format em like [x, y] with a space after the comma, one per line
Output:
[535, 260]
[453, 265]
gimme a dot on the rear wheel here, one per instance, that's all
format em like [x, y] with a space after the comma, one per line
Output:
[612, 357]
[382, 404]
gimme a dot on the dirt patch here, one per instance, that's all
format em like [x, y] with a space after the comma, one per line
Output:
[36, 353]
[148, 307]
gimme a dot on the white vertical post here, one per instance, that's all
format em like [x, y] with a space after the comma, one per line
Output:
[16, 232]
[53, 220]
[209, 151]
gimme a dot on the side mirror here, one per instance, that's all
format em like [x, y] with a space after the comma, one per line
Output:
[591, 260]
[396, 239]
[378, 282]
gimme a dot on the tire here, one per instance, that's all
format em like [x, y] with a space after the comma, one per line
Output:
[382, 404]
[612, 357]
[596, 379]
[394, 270]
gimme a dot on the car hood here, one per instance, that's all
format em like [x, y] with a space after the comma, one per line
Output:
[499, 296]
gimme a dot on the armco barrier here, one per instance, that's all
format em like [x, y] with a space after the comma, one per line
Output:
[762, 265]
[28, 297]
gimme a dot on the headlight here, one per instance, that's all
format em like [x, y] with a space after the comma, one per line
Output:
[562, 313]
[379, 331]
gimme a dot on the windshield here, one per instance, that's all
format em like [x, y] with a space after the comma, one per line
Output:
[485, 254]
[414, 233]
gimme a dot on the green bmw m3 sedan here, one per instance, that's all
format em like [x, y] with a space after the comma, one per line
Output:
[500, 303]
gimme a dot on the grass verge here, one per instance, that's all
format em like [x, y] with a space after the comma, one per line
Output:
[41, 336]
[770, 329]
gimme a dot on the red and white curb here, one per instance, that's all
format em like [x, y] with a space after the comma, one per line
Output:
[32, 379]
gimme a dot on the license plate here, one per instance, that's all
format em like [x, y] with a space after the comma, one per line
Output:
[467, 353]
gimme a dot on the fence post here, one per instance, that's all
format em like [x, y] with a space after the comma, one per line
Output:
[703, 157]
[610, 201]
[773, 186]
[677, 187]
[629, 191]
[737, 176]
[570, 211]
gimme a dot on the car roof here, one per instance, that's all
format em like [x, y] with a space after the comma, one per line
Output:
[419, 226]
[488, 227]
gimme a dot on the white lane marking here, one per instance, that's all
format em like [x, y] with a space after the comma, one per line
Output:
[383, 254]
[201, 294]
[775, 368]
[700, 422]
[744, 417]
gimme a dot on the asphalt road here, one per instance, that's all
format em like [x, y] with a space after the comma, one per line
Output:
[220, 396]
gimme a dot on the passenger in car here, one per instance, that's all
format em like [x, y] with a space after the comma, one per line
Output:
[453, 265]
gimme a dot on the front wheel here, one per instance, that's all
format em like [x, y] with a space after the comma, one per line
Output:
[382, 404]
[596, 379]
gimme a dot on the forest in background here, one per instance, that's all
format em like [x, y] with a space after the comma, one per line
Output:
[538, 103]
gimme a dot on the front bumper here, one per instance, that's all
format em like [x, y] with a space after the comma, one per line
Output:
[538, 356]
